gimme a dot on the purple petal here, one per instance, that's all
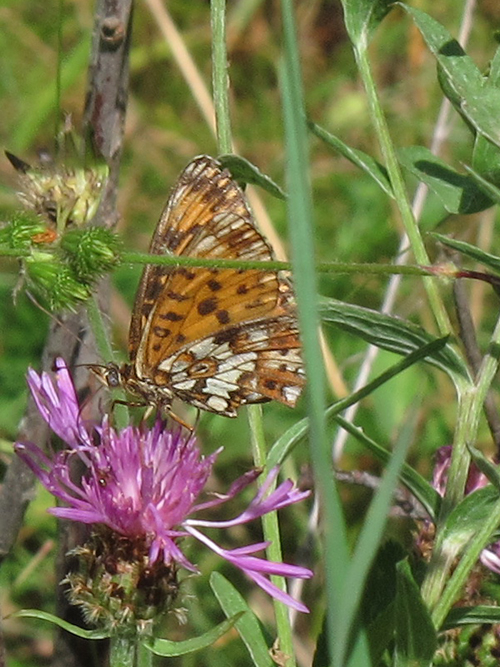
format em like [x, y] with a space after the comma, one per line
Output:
[283, 496]
[253, 568]
[58, 405]
[236, 487]
[276, 592]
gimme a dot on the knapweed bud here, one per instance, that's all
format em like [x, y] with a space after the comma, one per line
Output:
[91, 251]
[116, 585]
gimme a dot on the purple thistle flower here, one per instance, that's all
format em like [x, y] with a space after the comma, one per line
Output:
[143, 484]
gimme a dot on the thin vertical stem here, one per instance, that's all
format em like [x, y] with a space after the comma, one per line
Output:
[270, 523]
[220, 77]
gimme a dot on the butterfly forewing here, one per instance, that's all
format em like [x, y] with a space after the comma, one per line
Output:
[216, 338]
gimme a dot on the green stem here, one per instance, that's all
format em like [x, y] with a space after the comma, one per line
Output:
[471, 401]
[220, 79]
[398, 186]
[122, 651]
[101, 333]
[468, 413]
[105, 351]
[321, 267]
[271, 532]
[144, 655]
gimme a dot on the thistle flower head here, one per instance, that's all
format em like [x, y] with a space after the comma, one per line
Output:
[141, 487]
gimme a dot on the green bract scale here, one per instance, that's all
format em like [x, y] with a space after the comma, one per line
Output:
[55, 282]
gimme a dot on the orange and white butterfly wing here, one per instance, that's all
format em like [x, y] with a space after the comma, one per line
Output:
[216, 338]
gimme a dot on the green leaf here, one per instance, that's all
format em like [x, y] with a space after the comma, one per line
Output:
[494, 69]
[321, 653]
[167, 648]
[459, 616]
[486, 163]
[247, 626]
[362, 160]
[69, 627]
[285, 443]
[416, 640]
[471, 251]
[244, 171]
[378, 605]
[458, 193]
[486, 186]
[460, 79]
[486, 156]
[362, 18]
[421, 489]
[391, 333]
[466, 519]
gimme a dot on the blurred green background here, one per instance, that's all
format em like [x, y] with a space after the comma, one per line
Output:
[354, 223]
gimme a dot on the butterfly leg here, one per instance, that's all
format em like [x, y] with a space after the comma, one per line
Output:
[181, 421]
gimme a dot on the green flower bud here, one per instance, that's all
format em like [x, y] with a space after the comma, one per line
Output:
[22, 231]
[55, 282]
[91, 251]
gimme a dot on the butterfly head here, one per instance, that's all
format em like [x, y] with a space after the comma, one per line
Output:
[109, 374]
[125, 377]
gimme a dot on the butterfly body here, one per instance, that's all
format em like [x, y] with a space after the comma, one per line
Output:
[216, 338]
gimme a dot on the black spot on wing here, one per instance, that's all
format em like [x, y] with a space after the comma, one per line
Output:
[207, 306]
[223, 316]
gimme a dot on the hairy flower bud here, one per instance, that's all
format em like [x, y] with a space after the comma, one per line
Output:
[24, 229]
[55, 282]
[90, 251]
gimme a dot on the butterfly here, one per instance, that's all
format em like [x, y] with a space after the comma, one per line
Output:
[216, 338]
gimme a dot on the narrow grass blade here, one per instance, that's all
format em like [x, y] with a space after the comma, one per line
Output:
[362, 160]
[247, 625]
[302, 242]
